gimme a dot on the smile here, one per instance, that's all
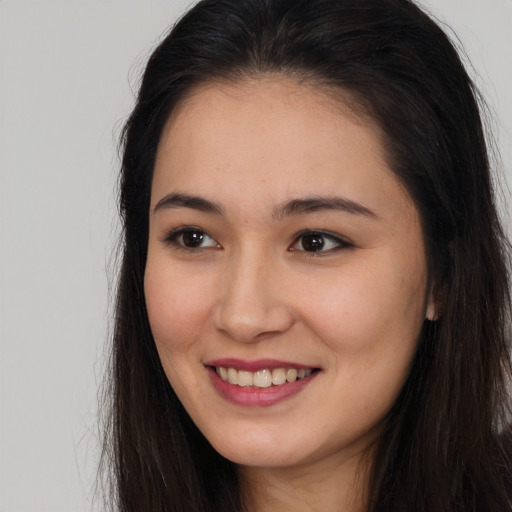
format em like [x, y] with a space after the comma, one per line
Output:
[263, 378]
[259, 383]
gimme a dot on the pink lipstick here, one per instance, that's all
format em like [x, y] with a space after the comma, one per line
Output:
[259, 383]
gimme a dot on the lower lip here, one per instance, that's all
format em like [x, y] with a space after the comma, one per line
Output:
[258, 397]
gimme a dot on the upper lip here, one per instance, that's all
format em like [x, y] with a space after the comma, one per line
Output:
[255, 365]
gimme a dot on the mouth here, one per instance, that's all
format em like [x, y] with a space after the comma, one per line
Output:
[259, 383]
[265, 378]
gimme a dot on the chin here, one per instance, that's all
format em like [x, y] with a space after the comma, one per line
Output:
[262, 451]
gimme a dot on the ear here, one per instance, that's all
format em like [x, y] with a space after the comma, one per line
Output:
[432, 312]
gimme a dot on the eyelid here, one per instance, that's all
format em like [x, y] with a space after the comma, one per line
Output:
[171, 238]
[341, 242]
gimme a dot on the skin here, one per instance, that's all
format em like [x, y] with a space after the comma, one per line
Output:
[251, 291]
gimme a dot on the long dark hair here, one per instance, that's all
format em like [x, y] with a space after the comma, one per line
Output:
[444, 444]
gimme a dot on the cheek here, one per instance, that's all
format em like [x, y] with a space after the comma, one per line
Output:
[177, 311]
[373, 308]
[177, 308]
[371, 327]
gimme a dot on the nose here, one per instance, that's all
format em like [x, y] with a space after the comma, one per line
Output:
[252, 303]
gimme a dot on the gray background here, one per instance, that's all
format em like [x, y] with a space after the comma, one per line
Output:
[67, 74]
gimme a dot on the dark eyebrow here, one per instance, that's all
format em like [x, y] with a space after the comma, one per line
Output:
[177, 200]
[290, 207]
[314, 204]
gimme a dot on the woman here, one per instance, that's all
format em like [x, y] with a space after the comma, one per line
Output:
[313, 306]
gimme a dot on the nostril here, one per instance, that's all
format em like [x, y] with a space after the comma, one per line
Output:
[251, 322]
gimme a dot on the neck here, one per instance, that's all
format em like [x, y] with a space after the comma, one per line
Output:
[328, 486]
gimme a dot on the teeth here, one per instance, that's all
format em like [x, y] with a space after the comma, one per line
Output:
[262, 378]
[278, 376]
[232, 376]
[245, 379]
[291, 375]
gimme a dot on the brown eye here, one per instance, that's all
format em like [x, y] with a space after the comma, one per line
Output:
[191, 238]
[313, 243]
[318, 242]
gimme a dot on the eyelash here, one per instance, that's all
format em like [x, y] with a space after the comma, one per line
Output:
[173, 238]
[316, 237]
[339, 242]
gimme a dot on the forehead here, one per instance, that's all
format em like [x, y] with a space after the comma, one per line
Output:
[270, 93]
[271, 137]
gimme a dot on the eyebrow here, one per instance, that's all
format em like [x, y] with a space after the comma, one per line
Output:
[288, 208]
[314, 204]
[178, 200]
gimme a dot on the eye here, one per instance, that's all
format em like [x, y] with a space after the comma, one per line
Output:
[318, 241]
[190, 237]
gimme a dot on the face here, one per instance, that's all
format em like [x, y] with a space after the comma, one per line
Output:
[286, 280]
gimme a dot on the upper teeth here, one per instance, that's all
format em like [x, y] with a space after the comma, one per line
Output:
[261, 378]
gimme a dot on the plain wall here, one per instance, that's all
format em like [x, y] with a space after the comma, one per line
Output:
[65, 73]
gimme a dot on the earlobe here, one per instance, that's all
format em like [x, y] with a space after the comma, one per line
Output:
[432, 312]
